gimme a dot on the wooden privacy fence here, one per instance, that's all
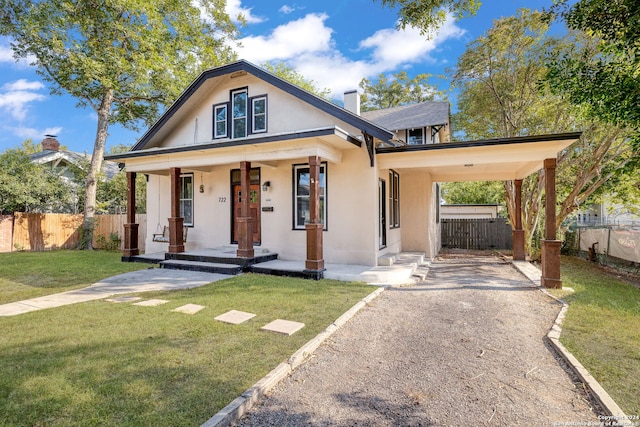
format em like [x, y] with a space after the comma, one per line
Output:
[41, 232]
[494, 233]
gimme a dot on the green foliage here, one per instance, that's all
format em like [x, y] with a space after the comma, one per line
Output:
[602, 72]
[126, 59]
[111, 243]
[287, 73]
[473, 193]
[28, 187]
[428, 15]
[397, 90]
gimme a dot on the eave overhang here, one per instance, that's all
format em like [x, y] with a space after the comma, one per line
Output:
[493, 159]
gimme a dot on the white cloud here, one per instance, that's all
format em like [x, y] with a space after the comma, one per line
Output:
[16, 97]
[22, 85]
[6, 55]
[234, 9]
[305, 35]
[307, 46]
[286, 9]
[396, 47]
[35, 134]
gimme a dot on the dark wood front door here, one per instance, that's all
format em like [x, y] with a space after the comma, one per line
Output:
[254, 209]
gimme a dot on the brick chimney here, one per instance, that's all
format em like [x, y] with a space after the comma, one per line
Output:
[50, 143]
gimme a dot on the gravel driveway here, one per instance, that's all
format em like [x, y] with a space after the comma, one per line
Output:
[466, 347]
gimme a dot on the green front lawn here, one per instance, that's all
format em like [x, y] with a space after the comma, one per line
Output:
[25, 275]
[101, 363]
[602, 329]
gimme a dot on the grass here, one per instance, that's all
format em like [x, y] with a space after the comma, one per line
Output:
[100, 363]
[25, 275]
[602, 329]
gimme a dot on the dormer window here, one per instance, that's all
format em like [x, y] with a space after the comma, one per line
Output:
[240, 116]
[416, 136]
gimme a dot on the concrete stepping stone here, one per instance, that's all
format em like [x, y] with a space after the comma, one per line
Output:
[189, 308]
[286, 327]
[151, 302]
[123, 299]
[235, 317]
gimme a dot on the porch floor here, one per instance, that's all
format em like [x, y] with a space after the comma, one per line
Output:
[398, 273]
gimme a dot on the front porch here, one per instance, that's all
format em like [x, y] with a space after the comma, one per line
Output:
[406, 268]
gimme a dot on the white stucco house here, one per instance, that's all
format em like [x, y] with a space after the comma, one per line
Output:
[323, 183]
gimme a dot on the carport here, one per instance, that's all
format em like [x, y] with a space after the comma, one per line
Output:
[504, 159]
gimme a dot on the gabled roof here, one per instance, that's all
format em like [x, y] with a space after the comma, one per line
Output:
[410, 116]
[245, 66]
[110, 169]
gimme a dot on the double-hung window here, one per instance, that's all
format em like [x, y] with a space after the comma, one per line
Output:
[259, 114]
[239, 113]
[394, 199]
[186, 198]
[301, 211]
[240, 116]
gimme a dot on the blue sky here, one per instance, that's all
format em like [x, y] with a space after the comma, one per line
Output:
[334, 43]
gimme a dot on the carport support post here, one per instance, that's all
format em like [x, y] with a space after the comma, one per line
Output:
[245, 224]
[131, 228]
[314, 264]
[518, 232]
[176, 222]
[550, 245]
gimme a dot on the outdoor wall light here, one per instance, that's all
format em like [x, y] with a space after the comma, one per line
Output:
[266, 186]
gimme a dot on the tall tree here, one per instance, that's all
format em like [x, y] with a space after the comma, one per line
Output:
[28, 187]
[473, 193]
[123, 58]
[501, 95]
[428, 15]
[397, 90]
[602, 75]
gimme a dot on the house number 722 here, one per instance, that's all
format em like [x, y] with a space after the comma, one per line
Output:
[222, 199]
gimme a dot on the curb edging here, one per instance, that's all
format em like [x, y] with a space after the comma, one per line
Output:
[598, 393]
[240, 405]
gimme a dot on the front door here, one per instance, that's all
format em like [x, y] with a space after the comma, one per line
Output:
[254, 209]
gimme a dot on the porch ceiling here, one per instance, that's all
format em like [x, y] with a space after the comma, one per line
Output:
[497, 159]
[328, 143]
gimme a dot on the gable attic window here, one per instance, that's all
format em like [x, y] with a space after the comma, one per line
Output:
[220, 120]
[259, 114]
[239, 113]
[240, 116]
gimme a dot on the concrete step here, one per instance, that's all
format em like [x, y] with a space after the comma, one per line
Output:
[217, 259]
[207, 267]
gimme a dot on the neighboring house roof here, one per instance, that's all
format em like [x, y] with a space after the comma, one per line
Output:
[189, 96]
[109, 169]
[410, 116]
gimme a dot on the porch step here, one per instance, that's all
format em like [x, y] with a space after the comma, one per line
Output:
[207, 267]
[218, 259]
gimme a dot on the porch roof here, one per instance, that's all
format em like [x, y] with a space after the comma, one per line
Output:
[327, 143]
[485, 160]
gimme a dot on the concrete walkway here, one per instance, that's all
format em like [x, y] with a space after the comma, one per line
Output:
[153, 279]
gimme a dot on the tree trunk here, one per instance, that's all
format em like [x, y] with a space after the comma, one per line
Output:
[88, 221]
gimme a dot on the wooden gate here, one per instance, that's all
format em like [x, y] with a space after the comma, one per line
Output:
[492, 233]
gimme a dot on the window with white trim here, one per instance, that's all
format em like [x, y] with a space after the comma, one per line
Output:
[301, 211]
[394, 199]
[186, 198]
[220, 121]
[259, 114]
[239, 113]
